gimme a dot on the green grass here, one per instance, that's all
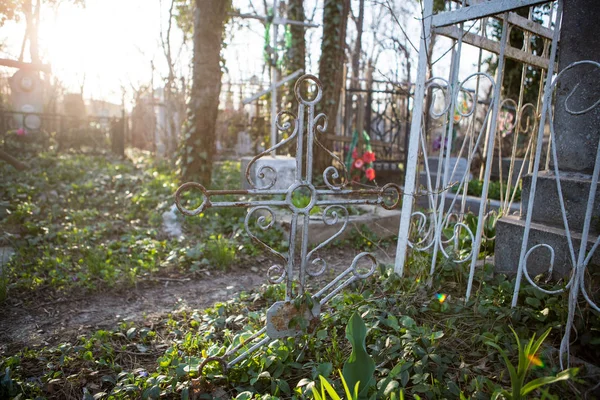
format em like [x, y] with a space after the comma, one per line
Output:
[84, 223]
[220, 251]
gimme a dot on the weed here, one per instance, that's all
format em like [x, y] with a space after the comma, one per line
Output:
[83, 222]
[527, 356]
[327, 388]
[301, 201]
[220, 251]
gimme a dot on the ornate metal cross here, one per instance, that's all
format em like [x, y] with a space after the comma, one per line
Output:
[332, 198]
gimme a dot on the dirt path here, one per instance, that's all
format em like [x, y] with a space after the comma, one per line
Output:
[49, 323]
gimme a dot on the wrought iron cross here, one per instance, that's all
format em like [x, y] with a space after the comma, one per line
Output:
[333, 198]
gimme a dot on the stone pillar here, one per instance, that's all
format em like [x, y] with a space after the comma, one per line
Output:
[577, 139]
[577, 135]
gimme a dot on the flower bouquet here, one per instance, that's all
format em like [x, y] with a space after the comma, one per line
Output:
[361, 165]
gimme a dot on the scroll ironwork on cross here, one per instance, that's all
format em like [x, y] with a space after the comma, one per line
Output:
[260, 201]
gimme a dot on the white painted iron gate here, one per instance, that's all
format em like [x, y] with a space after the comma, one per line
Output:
[474, 120]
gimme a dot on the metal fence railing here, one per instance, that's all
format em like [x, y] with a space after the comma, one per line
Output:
[28, 130]
[456, 137]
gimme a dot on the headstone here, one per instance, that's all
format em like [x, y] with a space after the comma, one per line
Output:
[27, 97]
[243, 146]
[282, 168]
[458, 169]
[577, 137]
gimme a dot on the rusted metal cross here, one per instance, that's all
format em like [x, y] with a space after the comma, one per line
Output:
[332, 198]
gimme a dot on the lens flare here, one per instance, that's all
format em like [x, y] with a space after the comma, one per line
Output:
[535, 360]
[441, 297]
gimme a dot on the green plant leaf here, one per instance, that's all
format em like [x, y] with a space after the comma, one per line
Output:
[517, 376]
[349, 395]
[546, 380]
[408, 322]
[316, 394]
[329, 389]
[534, 302]
[404, 377]
[511, 369]
[359, 367]
[325, 369]
[246, 396]
[390, 388]
[498, 394]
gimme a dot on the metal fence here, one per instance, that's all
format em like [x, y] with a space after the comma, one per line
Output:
[35, 131]
[451, 118]
[384, 110]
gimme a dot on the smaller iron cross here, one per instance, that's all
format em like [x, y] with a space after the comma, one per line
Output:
[333, 199]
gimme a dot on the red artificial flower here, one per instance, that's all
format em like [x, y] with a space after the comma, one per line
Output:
[358, 163]
[354, 154]
[370, 174]
[369, 157]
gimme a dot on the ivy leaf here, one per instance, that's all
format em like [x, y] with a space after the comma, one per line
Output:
[533, 301]
[324, 369]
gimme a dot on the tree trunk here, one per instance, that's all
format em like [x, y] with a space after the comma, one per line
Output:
[429, 93]
[358, 44]
[296, 54]
[438, 6]
[331, 71]
[295, 59]
[196, 154]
